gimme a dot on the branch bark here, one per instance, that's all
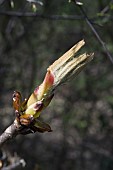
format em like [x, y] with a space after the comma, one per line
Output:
[9, 133]
[13, 130]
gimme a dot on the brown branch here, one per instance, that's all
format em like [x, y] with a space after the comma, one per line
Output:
[9, 133]
[13, 130]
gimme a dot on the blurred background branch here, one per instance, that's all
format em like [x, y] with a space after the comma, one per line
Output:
[9, 161]
[94, 30]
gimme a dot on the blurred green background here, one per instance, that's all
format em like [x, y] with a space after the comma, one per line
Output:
[81, 113]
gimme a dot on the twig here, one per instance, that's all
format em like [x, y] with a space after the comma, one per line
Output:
[94, 31]
[106, 8]
[34, 14]
[14, 165]
[42, 16]
[9, 161]
[49, 17]
[9, 133]
[13, 130]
